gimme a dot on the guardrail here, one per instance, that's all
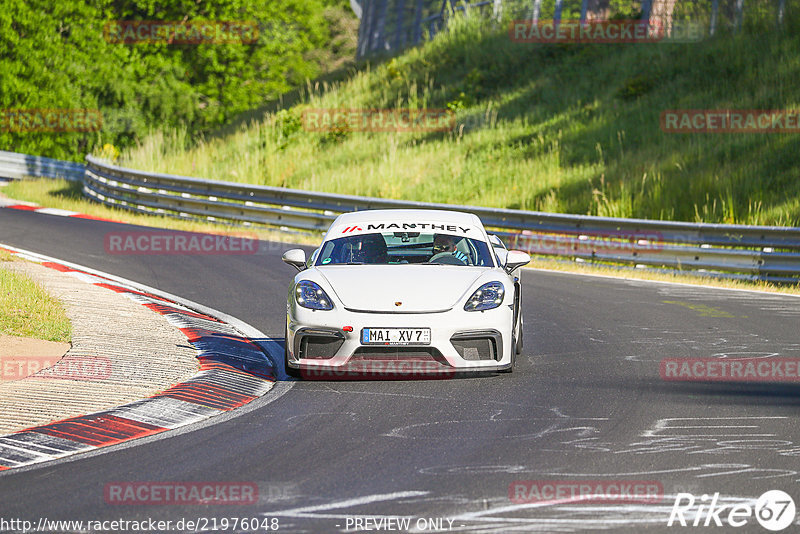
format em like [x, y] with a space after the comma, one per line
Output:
[769, 253]
[389, 26]
[15, 165]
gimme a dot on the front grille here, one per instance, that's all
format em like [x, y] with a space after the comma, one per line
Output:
[403, 362]
[426, 354]
[477, 346]
[319, 345]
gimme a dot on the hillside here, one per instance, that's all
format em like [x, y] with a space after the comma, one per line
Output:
[571, 128]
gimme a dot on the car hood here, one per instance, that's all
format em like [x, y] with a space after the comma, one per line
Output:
[419, 288]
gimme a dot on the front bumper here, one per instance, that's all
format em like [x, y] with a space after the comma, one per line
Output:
[461, 341]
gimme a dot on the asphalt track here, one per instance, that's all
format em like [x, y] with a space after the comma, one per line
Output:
[585, 402]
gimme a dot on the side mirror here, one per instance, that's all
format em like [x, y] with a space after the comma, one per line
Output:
[296, 258]
[516, 259]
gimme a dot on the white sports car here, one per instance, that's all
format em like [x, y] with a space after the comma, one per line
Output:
[404, 293]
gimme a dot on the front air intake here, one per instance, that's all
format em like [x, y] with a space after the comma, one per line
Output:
[478, 345]
[318, 344]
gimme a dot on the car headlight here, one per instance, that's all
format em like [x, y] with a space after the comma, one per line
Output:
[486, 297]
[308, 294]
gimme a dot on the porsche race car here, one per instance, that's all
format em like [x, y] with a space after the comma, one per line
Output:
[410, 292]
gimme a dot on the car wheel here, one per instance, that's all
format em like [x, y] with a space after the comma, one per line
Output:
[290, 371]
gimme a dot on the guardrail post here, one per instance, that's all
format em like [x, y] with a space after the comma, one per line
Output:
[739, 14]
[379, 40]
[557, 13]
[400, 31]
[417, 22]
[714, 12]
[356, 7]
[537, 8]
[647, 7]
[364, 30]
[497, 10]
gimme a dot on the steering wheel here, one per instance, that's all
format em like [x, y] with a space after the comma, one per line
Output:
[445, 258]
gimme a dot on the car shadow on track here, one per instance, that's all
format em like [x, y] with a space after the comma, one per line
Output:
[750, 393]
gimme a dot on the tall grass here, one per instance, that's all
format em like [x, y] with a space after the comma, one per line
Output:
[560, 128]
[27, 310]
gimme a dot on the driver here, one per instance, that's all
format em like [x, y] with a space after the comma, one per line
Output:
[447, 243]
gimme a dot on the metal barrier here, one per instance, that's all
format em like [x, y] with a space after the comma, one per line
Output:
[15, 165]
[387, 27]
[755, 252]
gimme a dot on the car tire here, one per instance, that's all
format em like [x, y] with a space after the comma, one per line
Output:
[290, 371]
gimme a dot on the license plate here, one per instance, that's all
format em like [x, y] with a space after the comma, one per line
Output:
[396, 336]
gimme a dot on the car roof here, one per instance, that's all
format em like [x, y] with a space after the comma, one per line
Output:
[439, 216]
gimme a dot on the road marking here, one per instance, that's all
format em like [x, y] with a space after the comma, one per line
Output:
[224, 382]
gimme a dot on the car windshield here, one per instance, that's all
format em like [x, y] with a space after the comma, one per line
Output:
[395, 248]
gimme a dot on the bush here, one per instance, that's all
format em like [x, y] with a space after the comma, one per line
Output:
[53, 55]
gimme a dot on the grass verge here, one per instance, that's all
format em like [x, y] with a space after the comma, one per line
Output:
[566, 128]
[27, 310]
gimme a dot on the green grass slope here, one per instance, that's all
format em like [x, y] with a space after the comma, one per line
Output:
[561, 128]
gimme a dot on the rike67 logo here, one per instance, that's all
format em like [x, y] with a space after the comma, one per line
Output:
[774, 511]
